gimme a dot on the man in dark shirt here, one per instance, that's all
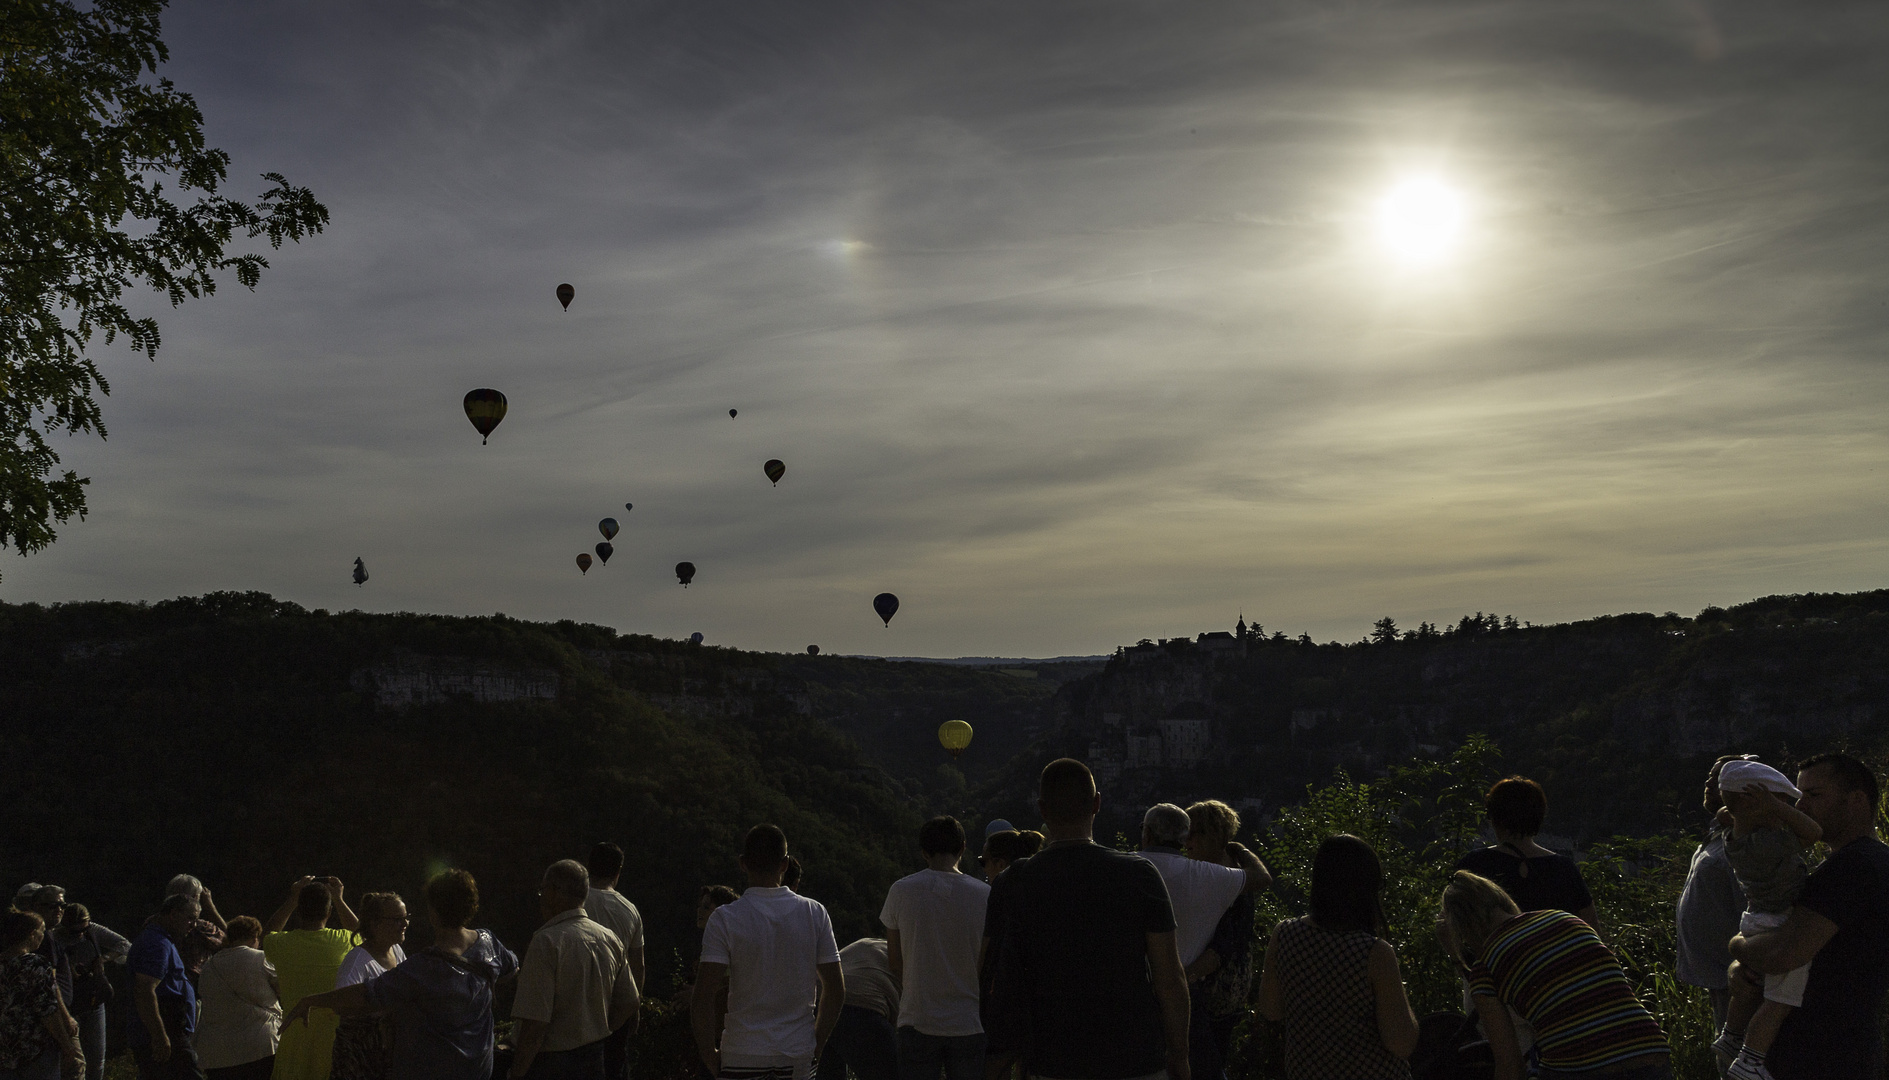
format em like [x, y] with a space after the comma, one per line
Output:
[1087, 981]
[1845, 906]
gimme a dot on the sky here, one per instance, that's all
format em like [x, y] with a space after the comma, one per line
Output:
[1074, 321]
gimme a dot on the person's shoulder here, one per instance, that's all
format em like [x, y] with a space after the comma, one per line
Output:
[1482, 859]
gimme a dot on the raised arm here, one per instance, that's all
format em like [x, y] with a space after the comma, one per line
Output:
[344, 915]
[1807, 830]
[1257, 876]
[281, 917]
[207, 910]
[1170, 989]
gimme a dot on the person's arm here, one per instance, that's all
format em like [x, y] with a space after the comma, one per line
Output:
[281, 917]
[705, 1013]
[344, 915]
[1787, 948]
[1170, 989]
[527, 1040]
[626, 998]
[1257, 876]
[144, 993]
[895, 955]
[1806, 829]
[68, 1040]
[832, 996]
[347, 1001]
[1500, 1031]
[1270, 1006]
[1204, 965]
[637, 970]
[1396, 1023]
[111, 944]
[208, 912]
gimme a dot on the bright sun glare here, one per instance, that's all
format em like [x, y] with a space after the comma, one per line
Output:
[1421, 219]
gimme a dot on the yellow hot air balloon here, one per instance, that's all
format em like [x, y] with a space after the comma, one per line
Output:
[954, 735]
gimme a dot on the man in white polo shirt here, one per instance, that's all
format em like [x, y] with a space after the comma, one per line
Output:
[1200, 891]
[934, 923]
[773, 951]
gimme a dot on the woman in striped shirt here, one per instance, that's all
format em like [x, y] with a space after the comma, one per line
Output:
[1554, 972]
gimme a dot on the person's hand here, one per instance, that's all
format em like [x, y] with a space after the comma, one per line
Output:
[300, 883]
[72, 1025]
[713, 1061]
[1178, 1066]
[333, 883]
[160, 1046]
[299, 1012]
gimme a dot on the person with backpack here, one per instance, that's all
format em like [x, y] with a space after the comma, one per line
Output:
[89, 947]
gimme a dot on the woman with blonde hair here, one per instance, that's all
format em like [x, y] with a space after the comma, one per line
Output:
[360, 1051]
[1528, 961]
[1221, 979]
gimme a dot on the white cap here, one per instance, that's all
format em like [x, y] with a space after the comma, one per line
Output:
[997, 826]
[1754, 776]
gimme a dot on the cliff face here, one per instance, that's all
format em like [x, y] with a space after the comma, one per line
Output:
[1618, 716]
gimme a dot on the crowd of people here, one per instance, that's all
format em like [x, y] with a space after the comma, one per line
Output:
[1064, 960]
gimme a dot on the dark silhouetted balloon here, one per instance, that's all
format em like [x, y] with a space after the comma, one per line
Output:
[360, 571]
[485, 408]
[775, 469]
[608, 527]
[695, 638]
[565, 295]
[685, 573]
[731, 414]
[604, 551]
[627, 507]
[583, 562]
[813, 650]
[886, 605]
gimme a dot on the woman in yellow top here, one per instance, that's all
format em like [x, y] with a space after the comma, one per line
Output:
[306, 960]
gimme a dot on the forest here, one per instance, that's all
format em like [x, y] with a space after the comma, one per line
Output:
[248, 741]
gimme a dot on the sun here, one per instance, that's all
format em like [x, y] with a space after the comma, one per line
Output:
[1421, 219]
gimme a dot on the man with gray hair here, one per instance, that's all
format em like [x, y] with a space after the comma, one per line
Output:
[1201, 891]
[206, 934]
[574, 988]
[164, 1023]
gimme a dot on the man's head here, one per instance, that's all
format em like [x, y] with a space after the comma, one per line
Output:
[185, 885]
[1840, 794]
[605, 864]
[50, 903]
[1165, 825]
[177, 915]
[764, 854]
[313, 905]
[1066, 795]
[566, 885]
[941, 836]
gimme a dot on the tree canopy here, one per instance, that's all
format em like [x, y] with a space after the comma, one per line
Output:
[87, 142]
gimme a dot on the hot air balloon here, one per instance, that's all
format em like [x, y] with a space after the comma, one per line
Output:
[685, 573]
[731, 414]
[604, 551]
[695, 638]
[813, 650]
[775, 469]
[954, 735]
[583, 562]
[608, 527]
[360, 571]
[886, 605]
[627, 507]
[485, 408]
[565, 295]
